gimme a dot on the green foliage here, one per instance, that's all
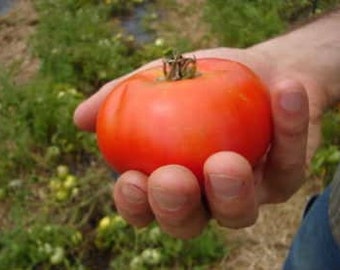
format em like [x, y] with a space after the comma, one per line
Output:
[327, 158]
[45, 246]
[120, 7]
[296, 10]
[243, 23]
[72, 232]
[39, 124]
[78, 45]
[152, 249]
[331, 127]
[42, 245]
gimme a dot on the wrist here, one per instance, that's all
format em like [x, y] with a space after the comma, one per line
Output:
[311, 55]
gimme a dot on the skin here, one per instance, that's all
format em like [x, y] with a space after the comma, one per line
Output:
[301, 71]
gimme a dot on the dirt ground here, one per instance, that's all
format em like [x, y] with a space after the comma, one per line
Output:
[15, 30]
[260, 247]
[265, 245]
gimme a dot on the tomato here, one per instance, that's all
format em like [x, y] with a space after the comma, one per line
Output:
[147, 121]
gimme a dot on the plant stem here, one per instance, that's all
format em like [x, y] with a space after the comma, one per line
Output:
[176, 67]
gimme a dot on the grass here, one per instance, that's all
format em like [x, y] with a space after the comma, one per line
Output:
[54, 187]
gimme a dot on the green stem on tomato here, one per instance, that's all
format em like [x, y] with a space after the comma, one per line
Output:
[176, 67]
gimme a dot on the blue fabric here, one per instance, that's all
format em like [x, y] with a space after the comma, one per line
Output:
[314, 247]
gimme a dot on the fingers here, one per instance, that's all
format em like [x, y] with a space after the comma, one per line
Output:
[130, 196]
[230, 190]
[171, 194]
[175, 198]
[285, 166]
[85, 114]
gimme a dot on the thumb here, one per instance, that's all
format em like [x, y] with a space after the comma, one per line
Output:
[285, 167]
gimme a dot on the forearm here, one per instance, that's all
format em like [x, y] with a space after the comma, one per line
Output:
[311, 53]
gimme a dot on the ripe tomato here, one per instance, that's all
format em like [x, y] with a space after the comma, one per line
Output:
[147, 122]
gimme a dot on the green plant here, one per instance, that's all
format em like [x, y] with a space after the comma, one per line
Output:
[42, 246]
[327, 157]
[39, 125]
[295, 11]
[152, 249]
[78, 45]
[243, 23]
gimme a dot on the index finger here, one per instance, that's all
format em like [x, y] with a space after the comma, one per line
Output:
[86, 113]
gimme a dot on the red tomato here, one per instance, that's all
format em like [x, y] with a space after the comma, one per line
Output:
[147, 122]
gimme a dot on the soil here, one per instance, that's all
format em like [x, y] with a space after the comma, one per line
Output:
[260, 247]
[265, 245]
[16, 27]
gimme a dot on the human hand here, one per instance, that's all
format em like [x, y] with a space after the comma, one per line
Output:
[234, 190]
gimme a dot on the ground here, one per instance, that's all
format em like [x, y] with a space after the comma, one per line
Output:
[15, 30]
[262, 246]
[265, 245]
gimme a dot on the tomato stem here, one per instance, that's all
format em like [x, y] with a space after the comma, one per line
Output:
[176, 67]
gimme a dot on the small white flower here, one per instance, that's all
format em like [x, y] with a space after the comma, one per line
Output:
[72, 92]
[70, 181]
[104, 223]
[154, 234]
[57, 256]
[75, 192]
[62, 170]
[151, 256]
[118, 222]
[47, 248]
[159, 42]
[61, 94]
[136, 263]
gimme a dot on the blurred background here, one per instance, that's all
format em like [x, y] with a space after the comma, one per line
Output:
[56, 210]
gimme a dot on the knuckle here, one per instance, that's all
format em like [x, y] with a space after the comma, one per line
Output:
[292, 130]
[286, 166]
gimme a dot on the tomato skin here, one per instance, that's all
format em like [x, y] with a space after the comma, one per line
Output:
[145, 122]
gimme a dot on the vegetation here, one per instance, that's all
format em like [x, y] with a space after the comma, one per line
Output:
[327, 158]
[244, 23]
[54, 188]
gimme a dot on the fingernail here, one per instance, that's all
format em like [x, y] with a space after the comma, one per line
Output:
[133, 194]
[225, 187]
[166, 200]
[291, 101]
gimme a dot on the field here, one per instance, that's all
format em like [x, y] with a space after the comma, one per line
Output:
[55, 190]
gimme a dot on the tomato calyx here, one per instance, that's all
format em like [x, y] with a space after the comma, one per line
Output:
[177, 67]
